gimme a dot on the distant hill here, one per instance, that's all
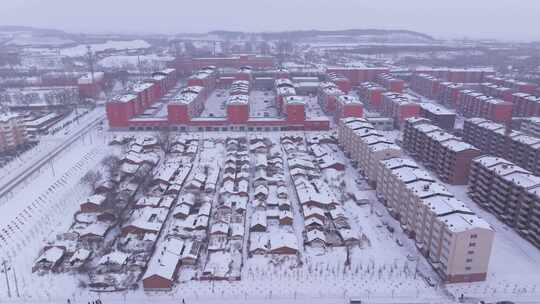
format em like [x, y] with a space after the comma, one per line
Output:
[306, 34]
[43, 31]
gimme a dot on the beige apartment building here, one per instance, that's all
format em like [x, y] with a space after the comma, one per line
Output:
[493, 138]
[510, 192]
[454, 240]
[365, 145]
[447, 155]
[12, 132]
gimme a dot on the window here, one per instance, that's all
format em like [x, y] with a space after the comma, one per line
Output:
[470, 252]
[474, 236]
[468, 260]
[467, 268]
[472, 244]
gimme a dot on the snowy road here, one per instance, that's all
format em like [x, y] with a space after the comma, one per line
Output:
[29, 168]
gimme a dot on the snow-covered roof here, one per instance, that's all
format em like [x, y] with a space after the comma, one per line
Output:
[238, 100]
[165, 259]
[283, 240]
[457, 222]
[52, 254]
[115, 257]
[295, 100]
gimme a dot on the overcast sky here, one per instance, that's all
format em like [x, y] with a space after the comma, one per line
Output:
[502, 19]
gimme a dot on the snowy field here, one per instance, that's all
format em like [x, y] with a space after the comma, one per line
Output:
[132, 61]
[47, 145]
[216, 103]
[378, 269]
[81, 50]
[262, 104]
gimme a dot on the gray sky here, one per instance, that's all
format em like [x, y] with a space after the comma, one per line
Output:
[502, 19]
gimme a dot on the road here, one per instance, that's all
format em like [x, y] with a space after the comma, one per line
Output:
[10, 184]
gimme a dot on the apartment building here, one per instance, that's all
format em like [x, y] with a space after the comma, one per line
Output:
[425, 84]
[454, 240]
[448, 156]
[390, 83]
[525, 105]
[498, 140]
[475, 104]
[510, 192]
[513, 84]
[399, 106]
[12, 132]
[439, 115]
[365, 145]
[531, 126]
[371, 94]
[448, 93]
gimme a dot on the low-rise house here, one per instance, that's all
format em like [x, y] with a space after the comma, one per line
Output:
[93, 203]
[286, 217]
[50, 259]
[283, 243]
[258, 221]
[315, 238]
[115, 261]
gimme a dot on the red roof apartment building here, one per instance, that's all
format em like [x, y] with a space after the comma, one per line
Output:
[348, 106]
[425, 85]
[284, 87]
[474, 75]
[183, 111]
[515, 85]
[371, 94]
[475, 104]
[188, 65]
[335, 102]
[448, 156]
[340, 81]
[510, 192]
[448, 93]
[121, 109]
[328, 94]
[399, 106]
[525, 105]
[357, 75]
[497, 91]
[495, 139]
[390, 83]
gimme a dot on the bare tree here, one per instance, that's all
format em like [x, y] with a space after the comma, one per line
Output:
[164, 139]
[111, 164]
[92, 178]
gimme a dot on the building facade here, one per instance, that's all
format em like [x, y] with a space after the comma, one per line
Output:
[510, 192]
[448, 156]
[455, 241]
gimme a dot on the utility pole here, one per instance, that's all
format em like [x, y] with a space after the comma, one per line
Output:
[7, 279]
[16, 284]
[90, 62]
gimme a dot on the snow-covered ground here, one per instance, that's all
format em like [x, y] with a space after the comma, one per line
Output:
[262, 104]
[38, 209]
[381, 271]
[81, 50]
[131, 61]
[514, 267]
[215, 106]
[47, 145]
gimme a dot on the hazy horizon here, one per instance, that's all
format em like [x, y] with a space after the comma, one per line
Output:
[483, 19]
